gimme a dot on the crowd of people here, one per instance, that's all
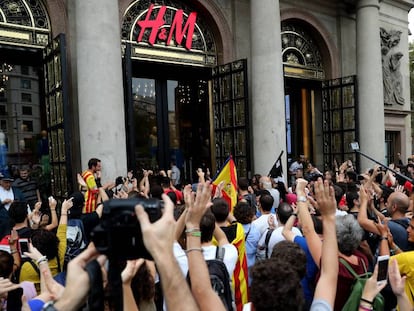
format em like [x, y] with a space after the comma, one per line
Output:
[294, 245]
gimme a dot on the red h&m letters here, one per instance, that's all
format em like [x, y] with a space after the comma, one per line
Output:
[176, 27]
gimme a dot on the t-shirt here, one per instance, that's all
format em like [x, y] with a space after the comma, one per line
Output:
[399, 232]
[91, 194]
[262, 224]
[275, 238]
[308, 282]
[346, 279]
[28, 188]
[320, 305]
[209, 252]
[405, 265]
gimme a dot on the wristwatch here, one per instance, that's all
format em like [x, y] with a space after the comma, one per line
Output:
[301, 198]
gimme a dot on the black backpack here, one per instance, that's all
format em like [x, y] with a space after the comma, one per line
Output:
[219, 278]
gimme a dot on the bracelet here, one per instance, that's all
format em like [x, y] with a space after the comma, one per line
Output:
[384, 238]
[365, 308]
[192, 230]
[198, 249]
[367, 301]
[41, 259]
[194, 233]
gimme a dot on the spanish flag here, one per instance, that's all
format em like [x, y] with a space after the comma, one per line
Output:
[228, 175]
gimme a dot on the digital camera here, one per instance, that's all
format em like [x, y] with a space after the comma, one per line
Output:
[118, 236]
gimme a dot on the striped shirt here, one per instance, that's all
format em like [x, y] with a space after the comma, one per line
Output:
[91, 195]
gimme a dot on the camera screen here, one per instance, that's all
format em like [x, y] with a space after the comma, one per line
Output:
[24, 246]
[382, 270]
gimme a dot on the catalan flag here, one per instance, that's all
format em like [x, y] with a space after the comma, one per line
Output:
[228, 175]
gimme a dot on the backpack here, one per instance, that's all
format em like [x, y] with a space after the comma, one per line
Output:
[76, 240]
[263, 250]
[219, 278]
[352, 303]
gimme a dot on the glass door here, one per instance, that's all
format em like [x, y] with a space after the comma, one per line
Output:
[171, 123]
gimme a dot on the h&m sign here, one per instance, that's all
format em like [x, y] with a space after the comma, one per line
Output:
[162, 31]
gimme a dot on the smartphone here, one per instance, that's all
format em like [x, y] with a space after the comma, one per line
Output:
[24, 247]
[382, 268]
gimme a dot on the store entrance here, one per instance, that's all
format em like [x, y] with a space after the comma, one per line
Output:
[170, 118]
[302, 118]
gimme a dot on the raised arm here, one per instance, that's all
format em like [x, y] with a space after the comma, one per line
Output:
[158, 239]
[312, 238]
[53, 213]
[398, 286]
[363, 220]
[326, 286]
[204, 294]
[287, 229]
[127, 275]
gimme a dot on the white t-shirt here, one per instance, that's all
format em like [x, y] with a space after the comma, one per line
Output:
[209, 252]
[262, 222]
[6, 194]
[275, 238]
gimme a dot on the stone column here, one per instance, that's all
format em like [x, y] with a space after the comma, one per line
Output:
[370, 84]
[267, 86]
[100, 87]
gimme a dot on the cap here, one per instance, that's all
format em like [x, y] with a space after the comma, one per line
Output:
[6, 177]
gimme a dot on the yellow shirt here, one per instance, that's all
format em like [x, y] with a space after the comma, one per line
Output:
[406, 265]
[28, 273]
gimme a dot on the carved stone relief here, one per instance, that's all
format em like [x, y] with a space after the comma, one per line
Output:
[392, 77]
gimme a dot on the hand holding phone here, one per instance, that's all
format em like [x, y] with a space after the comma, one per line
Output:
[382, 268]
[23, 247]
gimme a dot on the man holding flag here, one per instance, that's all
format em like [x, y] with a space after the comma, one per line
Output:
[226, 182]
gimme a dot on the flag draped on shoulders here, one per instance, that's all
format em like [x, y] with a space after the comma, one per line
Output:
[227, 175]
[240, 274]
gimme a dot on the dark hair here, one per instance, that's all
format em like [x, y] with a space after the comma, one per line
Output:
[46, 242]
[266, 202]
[350, 197]
[284, 211]
[93, 162]
[142, 284]
[207, 225]
[18, 211]
[338, 194]
[352, 176]
[291, 252]
[243, 183]
[220, 209]
[243, 212]
[6, 264]
[78, 200]
[165, 181]
[156, 191]
[172, 196]
[282, 190]
[276, 283]
[317, 223]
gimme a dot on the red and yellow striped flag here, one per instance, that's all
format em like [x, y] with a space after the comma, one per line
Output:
[228, 175]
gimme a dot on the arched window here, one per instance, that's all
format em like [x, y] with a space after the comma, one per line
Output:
[168, 40]
[24, 22]
[301, 55]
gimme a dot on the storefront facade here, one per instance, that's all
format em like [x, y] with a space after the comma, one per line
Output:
[142, 83]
